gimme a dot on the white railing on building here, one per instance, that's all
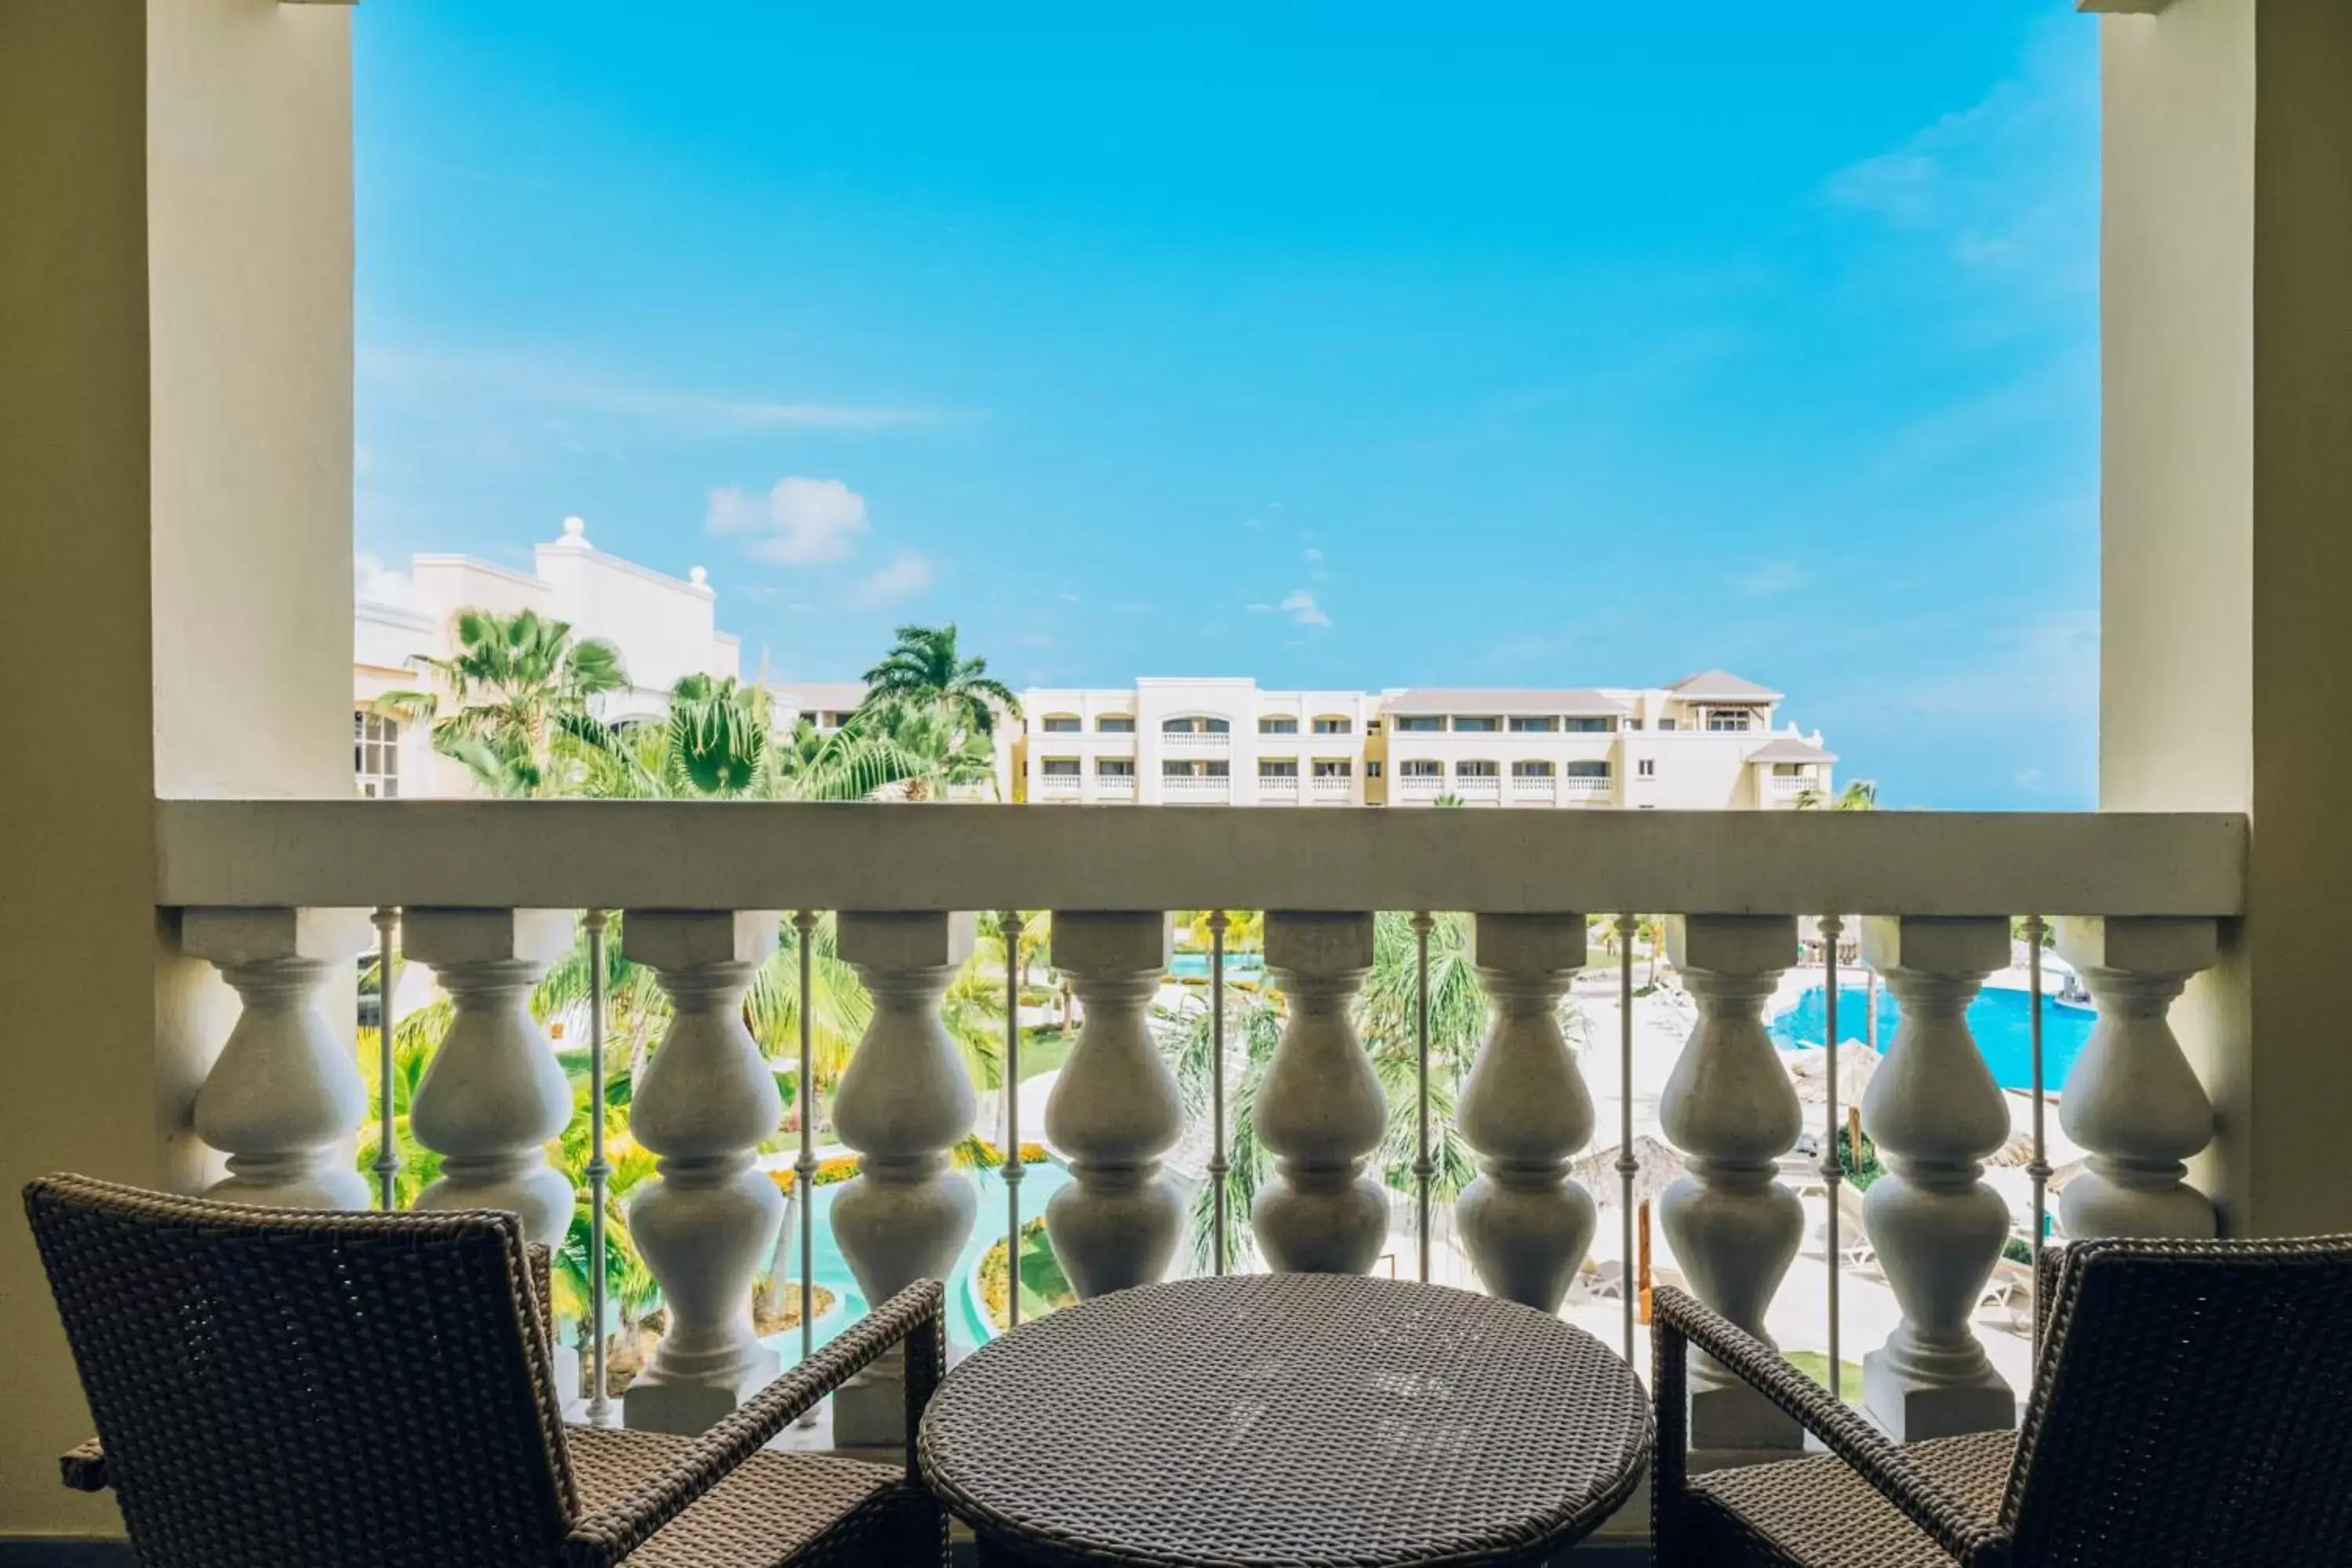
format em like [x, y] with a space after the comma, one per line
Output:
[1196, 740]
[1278, 785]
[275, 892]
[1060, 784]
[1787, 786]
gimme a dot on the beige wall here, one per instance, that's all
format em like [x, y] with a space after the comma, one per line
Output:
[220, 386]
[2228, 538]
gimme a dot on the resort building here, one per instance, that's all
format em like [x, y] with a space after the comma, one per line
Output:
[664, 627]
[1705, 742]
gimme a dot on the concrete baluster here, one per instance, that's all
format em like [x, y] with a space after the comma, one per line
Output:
[710, 1219]
[1319, 1108]
[284, 1097]
[1728, 1104]
[1935, 1112]
[1115, 1108]
[1525, 1108]
[2132, 1099]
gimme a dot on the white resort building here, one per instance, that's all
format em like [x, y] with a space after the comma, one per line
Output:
[1703, 743]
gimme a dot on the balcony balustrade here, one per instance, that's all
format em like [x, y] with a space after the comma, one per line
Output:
[1060, 784]
[1196, 789]
[1278, 789]
[1788, 786]
[1584, 786]
[1329, 787]
[485, 893]
[1197, 740]
[1420, 787]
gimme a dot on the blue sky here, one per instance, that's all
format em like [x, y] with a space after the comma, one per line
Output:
[1364, 346]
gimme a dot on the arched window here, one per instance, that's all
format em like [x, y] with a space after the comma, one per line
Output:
[1060, 724]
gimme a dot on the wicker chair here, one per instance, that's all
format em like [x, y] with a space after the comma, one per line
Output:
[277, 1387]
[2191, 1408]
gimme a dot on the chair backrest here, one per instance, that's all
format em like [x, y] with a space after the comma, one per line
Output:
[280, 1386]
[2194, 1405]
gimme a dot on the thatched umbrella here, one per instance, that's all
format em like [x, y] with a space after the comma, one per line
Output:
[1661, 1163]
[1856, 1064]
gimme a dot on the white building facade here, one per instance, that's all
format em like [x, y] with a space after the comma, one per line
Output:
[664, 627]
[1705, 742]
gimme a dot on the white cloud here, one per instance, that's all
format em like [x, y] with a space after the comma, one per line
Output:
[371, 582]
[798, 520]
[906, 575]
[1311, 554]
[1301, 608]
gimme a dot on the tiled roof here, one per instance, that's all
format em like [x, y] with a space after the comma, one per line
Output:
[1430, 699]
[1723, 686]
[1789, 749]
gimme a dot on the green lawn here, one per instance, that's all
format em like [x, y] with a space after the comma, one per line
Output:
[1816, 1365]
[1045, 1050]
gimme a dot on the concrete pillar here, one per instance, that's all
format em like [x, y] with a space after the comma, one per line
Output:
[2226, 332]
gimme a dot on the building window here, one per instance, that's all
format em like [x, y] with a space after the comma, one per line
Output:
[1196, 727]
[1335, 726]
[375, 754]
[1325, 768]
[1593, 726]
[836, 720]
[1419, 724]
[1062, 724]
[1534, 724]
[1371, 726]
[1633, 724]
[1647, 768]
[1588, 770]
[1421, 770]
[1372, 770]
[1269, 768]
[1114, 767]
[1531, 770]
[1471, 725]
[1474, 771]
[1272, 726]
[1665, 724]
[1727, 720]
[1059, 767]
[1115, 724]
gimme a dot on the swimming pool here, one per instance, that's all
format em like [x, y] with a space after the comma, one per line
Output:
[1248, 968]
[967, 1323]
[2001, 1020]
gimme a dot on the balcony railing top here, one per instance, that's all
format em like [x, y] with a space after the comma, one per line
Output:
[944, 856]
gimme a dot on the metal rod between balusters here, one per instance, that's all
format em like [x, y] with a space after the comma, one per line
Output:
[387, 1143]
[1218, 1165]
[1628, 1166]
[1832, 1166]
[1009, 924]
[1422, 1169]
[805, 1165]
[599, 1174]
[2039, 1169]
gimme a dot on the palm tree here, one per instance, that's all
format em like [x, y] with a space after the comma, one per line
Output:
[519, 683]
[1862, 795]
[926, 668]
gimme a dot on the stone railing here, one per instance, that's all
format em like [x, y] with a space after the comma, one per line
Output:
[1196, 740]
[1196, 788]
[1059, 783]
[282, 896]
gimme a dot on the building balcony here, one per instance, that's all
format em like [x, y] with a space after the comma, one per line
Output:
[1478, 789]
[1329, 788]
[1419, 786]
[1115, 786]
[1059, 786]
[1583, 789]
[487, 896]
[1278, 788]
[1196, 789]
[1788, 786]
[1196, 740]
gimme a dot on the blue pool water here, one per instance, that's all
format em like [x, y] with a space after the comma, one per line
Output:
[2001, 1020]
[968, 1324]
[1245, 967]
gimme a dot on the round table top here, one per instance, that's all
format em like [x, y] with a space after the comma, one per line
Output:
[1292, 1418]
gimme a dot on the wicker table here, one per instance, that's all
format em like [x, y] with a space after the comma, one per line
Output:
[1286, 1418]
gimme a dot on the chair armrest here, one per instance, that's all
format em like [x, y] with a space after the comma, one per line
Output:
[916, 1316]
[542, 1259]
[83, 1467]
[1677, 1318]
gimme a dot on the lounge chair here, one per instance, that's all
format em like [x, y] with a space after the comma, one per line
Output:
[2187, 1410]
[280, 1386]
